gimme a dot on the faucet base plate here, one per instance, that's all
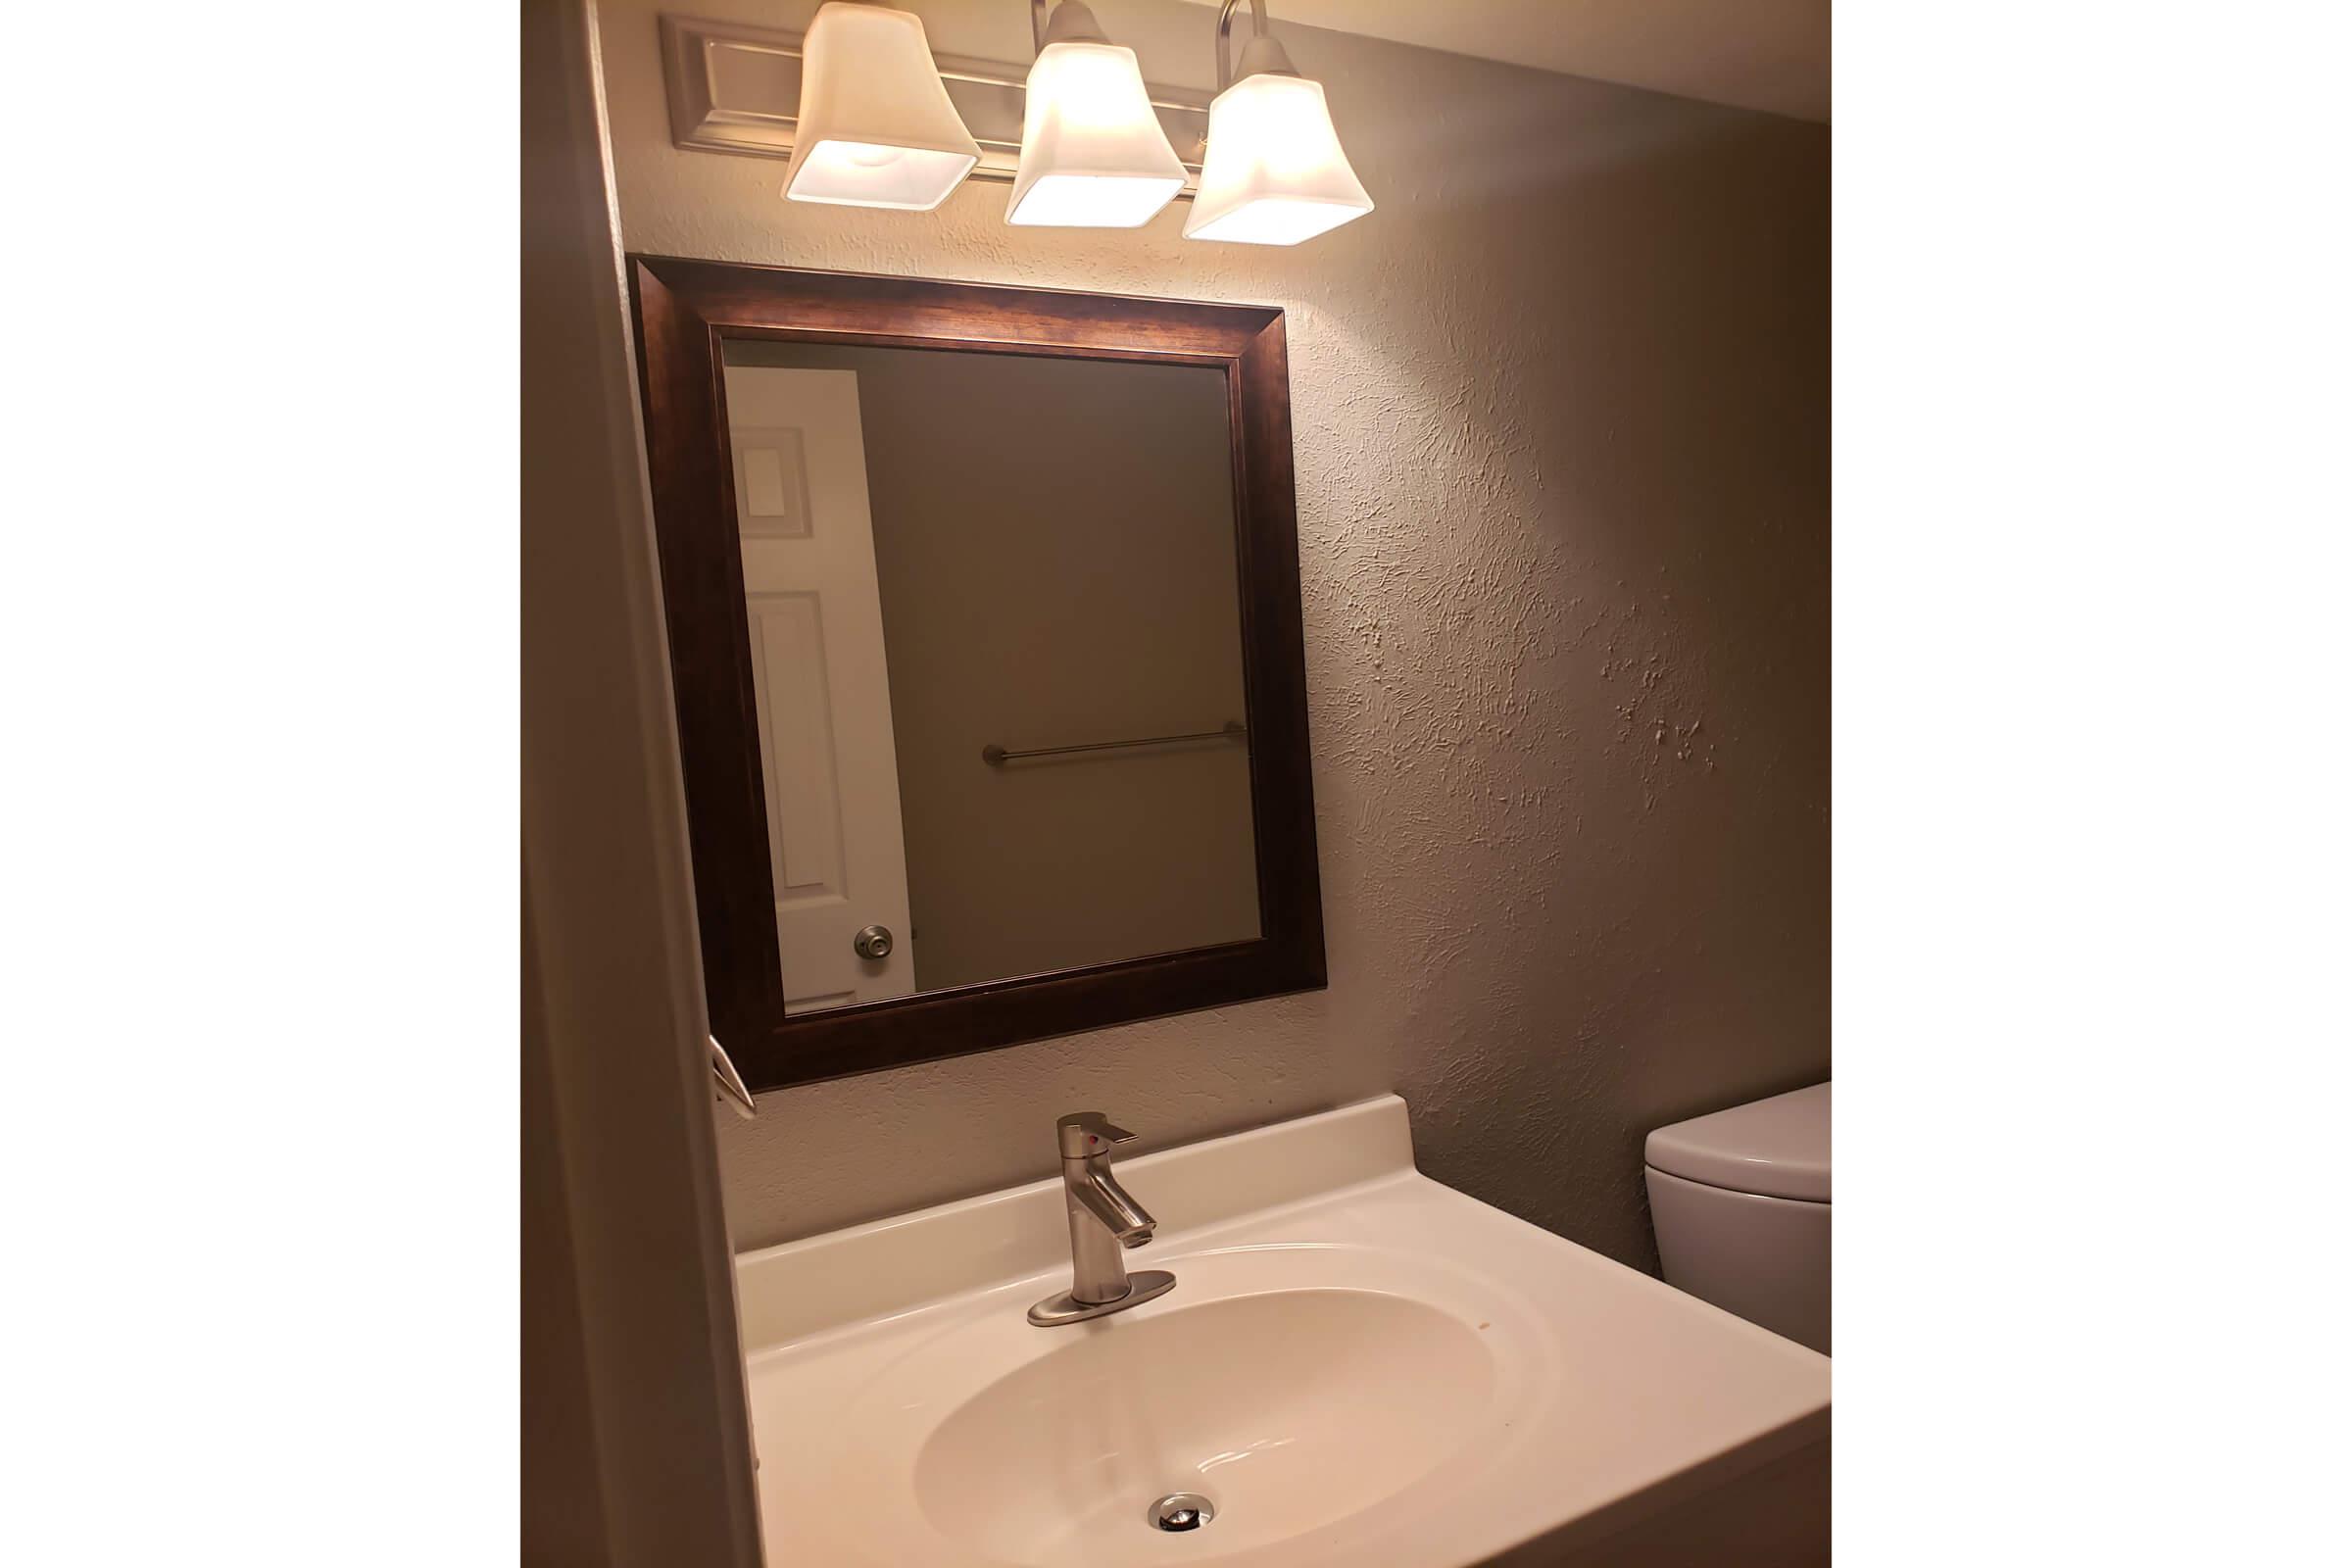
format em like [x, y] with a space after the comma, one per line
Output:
[1142, 1285]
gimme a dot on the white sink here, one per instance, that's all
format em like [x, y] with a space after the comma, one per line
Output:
[1357, 1365]
[1263, 1402]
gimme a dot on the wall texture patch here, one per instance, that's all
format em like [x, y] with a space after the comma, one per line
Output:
[1561, 415]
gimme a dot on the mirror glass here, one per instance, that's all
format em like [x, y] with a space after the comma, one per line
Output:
[997, 657]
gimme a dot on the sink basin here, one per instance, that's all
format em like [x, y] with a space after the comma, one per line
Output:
[1357, 1365]
[1277, 1407]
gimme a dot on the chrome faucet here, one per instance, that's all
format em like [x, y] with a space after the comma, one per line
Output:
[1103, 1221]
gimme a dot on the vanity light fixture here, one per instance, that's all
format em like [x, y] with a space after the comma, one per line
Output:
[1275, 173]
[875, 128]
[1093, 153]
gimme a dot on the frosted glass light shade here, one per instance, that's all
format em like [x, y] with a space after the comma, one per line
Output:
[1093, 153]
[875, 127]
[1274, 174]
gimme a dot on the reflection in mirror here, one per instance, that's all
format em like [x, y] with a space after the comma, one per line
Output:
[997, 659]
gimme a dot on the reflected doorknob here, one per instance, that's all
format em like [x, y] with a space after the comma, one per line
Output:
[872, 943]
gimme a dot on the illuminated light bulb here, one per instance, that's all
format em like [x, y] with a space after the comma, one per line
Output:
[1093, 152]
[875, 128]
[1275, 173]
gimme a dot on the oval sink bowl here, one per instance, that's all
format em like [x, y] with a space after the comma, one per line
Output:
[1286, 1410]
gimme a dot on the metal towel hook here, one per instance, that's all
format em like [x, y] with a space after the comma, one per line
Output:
[728, 1082]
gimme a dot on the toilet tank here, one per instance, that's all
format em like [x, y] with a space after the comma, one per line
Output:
[1741, 1203]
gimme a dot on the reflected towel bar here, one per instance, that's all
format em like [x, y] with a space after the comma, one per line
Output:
[998, 755]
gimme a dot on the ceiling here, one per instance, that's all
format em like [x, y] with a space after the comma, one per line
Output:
[1755, 54]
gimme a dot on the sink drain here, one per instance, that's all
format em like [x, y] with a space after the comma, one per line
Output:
[1181, 1511]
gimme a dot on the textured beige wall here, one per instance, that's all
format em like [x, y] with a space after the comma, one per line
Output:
[1027, 602]
[1561, 411]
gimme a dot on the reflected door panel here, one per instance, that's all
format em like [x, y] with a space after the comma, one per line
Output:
[1053, 544]
[836, 843]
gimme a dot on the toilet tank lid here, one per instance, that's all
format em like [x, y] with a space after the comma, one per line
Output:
[1778, 1148]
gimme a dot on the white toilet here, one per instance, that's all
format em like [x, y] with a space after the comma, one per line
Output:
[1740, 1200]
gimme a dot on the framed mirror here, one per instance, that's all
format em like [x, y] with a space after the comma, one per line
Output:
[984, 633]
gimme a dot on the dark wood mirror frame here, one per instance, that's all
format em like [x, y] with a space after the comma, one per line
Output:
[686, 311]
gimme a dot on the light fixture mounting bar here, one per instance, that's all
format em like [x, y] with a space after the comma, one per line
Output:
[734, 88]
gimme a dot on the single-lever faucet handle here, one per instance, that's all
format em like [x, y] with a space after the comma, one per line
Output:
[1083, 1134]
[1104, 1221]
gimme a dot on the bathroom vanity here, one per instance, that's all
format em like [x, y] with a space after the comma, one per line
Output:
[1356, 1365]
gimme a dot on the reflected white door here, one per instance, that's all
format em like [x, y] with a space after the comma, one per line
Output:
[836, 849]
